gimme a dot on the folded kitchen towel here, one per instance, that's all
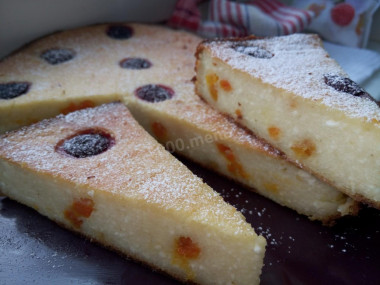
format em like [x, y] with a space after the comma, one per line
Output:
[347, 22]
[227, 18]
[344, 22]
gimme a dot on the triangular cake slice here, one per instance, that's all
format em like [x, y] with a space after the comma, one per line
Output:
[97, 172]
[291, 93]
[150, 68]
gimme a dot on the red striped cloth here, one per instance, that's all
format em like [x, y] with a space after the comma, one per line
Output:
[229, 18]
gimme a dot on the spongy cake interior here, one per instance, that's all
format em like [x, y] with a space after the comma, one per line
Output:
[138, 210]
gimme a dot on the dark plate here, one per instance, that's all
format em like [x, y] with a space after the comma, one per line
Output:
[35, 250]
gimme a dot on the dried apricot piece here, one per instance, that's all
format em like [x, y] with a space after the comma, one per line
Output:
[211, 80]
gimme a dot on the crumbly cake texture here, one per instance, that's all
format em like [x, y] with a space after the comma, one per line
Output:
[134, 197]
[159, 56]
[299, 99]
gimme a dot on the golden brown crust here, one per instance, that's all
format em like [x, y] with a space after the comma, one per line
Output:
[331, 221]
[362, 199]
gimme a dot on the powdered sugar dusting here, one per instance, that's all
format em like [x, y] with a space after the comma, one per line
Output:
[254, 51]
[95, 74]
[298, 66]
[136, 167]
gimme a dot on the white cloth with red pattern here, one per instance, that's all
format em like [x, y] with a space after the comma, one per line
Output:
[345, 23]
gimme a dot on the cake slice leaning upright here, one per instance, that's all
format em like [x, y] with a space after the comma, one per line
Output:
[97, 172]
[289, 91]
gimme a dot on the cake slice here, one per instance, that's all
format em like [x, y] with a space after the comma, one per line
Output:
[119, 62]
[289, 91]
[98, 173]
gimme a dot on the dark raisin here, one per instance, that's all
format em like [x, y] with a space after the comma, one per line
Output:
[252, 51]
[135, 63]
[154, 93]
[119, 32]
[86, 143]
[344, 84]
[57, 55]
[12, 90]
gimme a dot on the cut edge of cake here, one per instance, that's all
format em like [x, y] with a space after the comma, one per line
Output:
[175, 223]
[267, 65]
[244, 158]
